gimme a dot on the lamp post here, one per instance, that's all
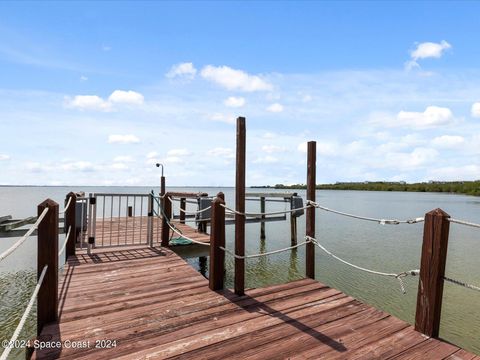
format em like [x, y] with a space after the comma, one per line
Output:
[162, 180]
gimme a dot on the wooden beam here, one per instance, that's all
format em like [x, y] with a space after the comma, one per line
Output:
[217, 239]
[239, 282]
[47, 254]
[432, 271]
[166, 217]
[70, 221]
[310, 225]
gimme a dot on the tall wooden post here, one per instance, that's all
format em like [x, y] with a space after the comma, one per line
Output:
[167, 215]
[310, 215]
[239, 285]
[162, 185]
[150, 220]
[47, 254]
[183, 206]
[70, 222]
[262, 224]
[432, 271]
[217, 239]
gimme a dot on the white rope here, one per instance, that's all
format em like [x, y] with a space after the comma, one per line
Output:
[186, 237]
[232, 211]
[20, 325]
[461, 283]
[263, 254]
[190, 212]
[380, 221]
[397, 276]
[24, 237]
[66, 206]
[65, 242]
[462, 222]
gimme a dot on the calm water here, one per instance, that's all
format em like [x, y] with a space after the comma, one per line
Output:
[384, 248]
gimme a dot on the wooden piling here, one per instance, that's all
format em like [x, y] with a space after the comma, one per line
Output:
[130, 211]
[262, 224]
[217, 239]
[432, 271]
[70, 222]
[47, 254]
[183, 207]
[167, 216]
[239, 282]
[162, 185]
[310, 213]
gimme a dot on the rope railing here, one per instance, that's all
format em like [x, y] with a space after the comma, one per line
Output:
[190, 212]
[24, 237]
[247, 214]
[66, 206]
[398, 276]
[380, 221]
[463, 222]
[27, 311]
[265, 253]
[65, 242]
[461, 283]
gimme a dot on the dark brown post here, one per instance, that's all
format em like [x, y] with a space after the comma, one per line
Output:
[240, 207]
[47, 254]
[162, 185]
[293, 230]
[310, 226]
[130, 211]
[167, 215]
[183, 206]
[262, 224]
[217, 239]
[70, 222]
[432, 270]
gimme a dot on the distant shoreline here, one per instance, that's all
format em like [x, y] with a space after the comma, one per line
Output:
[452, 187]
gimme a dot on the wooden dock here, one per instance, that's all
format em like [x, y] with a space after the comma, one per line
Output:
[141, 303]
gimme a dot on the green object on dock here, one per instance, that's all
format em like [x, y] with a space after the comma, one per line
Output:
[180, 241]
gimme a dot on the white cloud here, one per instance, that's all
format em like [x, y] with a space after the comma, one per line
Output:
[95, 102]
[89, 102]
[269, 135]
[266, 160]
[454, 173]
[4, 157]
[126, 158]
[225, 118]
[273, 149]
[126, 97]
[235, 102]
[184, 70]
[83, 78]
[448, 141]
[408, 161]
[119, 166]
[233, 79]
[476, 109]
[83, 166]
[276, 108]
[173, 160]
[431, 117]
[152, 155]
[426, 50]
[123, 139]
[178, 152]
[222, 152]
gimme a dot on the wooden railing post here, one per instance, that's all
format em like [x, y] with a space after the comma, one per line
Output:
[239, 283]
[150, 219]
[47, 254]
[162, 185]
[217, 239]
[183, 206]
[70, 222]
[310, 215]
[432, 271]
[262, 224]
[167, 216]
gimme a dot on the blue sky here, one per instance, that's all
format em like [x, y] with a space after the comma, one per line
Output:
[95, 93]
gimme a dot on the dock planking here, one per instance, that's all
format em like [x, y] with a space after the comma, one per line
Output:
[125, 231]
[152, 304]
